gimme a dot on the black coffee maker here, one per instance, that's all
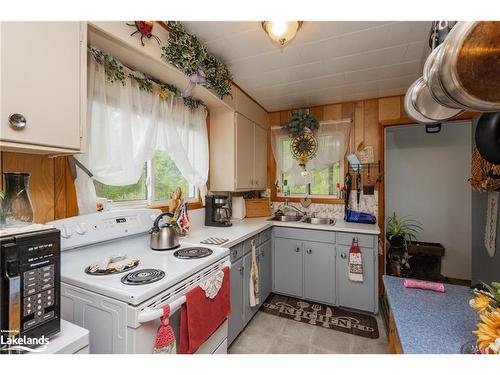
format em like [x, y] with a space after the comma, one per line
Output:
[217, 211]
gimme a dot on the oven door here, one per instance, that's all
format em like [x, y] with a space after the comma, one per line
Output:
[142, 339]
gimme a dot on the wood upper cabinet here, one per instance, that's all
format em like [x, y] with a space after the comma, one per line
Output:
[244, 142]
[43, 80]
[238, 153]
[260, 157]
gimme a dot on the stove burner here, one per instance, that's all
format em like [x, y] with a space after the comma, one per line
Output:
[144, 276]
[193, 253]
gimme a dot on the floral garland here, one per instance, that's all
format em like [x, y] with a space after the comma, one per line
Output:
[116, 72]
[189, 54]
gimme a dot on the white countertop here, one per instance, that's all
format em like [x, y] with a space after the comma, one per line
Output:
[70, 340]
[248, 227]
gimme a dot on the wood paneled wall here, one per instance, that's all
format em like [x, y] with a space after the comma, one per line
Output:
[51, 186]
[366, 116]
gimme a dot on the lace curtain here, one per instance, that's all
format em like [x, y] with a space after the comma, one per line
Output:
[125, 127]
[333, 139]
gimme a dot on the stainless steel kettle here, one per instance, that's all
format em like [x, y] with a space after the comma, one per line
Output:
[164, 237]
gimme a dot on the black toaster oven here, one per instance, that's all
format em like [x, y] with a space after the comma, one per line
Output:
[29, 287]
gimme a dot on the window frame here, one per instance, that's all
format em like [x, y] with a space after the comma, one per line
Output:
[308, 187]
[149, 202]
[279, 180]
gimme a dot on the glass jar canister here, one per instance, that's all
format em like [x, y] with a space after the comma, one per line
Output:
[16, 210]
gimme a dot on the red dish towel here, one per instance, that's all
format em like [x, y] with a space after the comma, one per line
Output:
[201, 316]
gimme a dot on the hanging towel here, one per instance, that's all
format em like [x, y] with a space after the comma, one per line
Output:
[202, 315]
[490, 232]
[355, 262]
[254, 279]
[165, 337]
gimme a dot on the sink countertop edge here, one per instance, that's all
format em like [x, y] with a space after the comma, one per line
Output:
[249, 227]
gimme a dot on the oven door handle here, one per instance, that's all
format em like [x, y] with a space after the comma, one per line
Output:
[149, 315]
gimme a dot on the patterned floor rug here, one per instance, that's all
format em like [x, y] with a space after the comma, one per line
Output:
[321, 315]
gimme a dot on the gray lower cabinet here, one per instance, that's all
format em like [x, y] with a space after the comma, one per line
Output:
[235, 320]
[265, 269]
[248, 311]
[356, 295]
[288, 266]
[319, 272]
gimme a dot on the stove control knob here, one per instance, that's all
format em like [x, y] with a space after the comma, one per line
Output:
[81, 228]
[66, 232]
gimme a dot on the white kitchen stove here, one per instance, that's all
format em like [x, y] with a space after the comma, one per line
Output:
[74, 262]
[123, 318]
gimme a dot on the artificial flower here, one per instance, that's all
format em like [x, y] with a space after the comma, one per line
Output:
[489, 330]
[480, 303]
[495, 346]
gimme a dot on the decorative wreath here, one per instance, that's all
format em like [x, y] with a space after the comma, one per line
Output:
[304, 147]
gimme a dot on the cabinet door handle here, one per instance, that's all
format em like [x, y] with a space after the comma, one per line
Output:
[235, 253]
[309, 251]
[297, 250]
[241, 269]
[343, 255]
[256, 182]
[17, 121]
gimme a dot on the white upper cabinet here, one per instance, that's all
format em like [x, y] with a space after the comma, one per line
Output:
[238, 153]
[43, 86]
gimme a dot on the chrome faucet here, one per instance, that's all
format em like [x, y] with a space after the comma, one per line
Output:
[287, 205]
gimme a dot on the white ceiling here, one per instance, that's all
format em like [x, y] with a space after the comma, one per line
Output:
[327, 62]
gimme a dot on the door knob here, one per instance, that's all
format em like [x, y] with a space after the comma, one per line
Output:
[17, 121]
[297, 249]
[309, 251]
[343, 255]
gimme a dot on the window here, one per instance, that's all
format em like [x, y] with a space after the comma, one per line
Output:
[159, 179]
[325, 182]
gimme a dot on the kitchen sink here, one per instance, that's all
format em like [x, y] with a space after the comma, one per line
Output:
[286, 218]
[320, 220]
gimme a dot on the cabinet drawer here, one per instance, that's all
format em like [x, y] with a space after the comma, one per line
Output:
[236, 252]
[364, 240]
[305, 234]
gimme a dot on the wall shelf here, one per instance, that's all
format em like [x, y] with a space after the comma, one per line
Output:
[114, 38]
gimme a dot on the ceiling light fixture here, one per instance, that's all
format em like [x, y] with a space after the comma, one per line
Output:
[281, 32]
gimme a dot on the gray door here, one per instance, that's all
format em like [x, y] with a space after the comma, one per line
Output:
[248, 311]
[319, 272]
[353, 294]
[235, 320]
[266, 269]
[288, 266]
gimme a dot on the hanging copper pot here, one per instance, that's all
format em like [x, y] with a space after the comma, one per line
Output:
[469, 66]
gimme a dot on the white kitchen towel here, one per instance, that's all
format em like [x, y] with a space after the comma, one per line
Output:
[212, 285]
[254, 279]
[490, 232]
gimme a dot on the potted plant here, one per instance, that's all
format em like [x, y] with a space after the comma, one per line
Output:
[401, 230]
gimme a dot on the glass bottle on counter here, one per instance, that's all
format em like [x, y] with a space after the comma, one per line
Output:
[16, 210]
